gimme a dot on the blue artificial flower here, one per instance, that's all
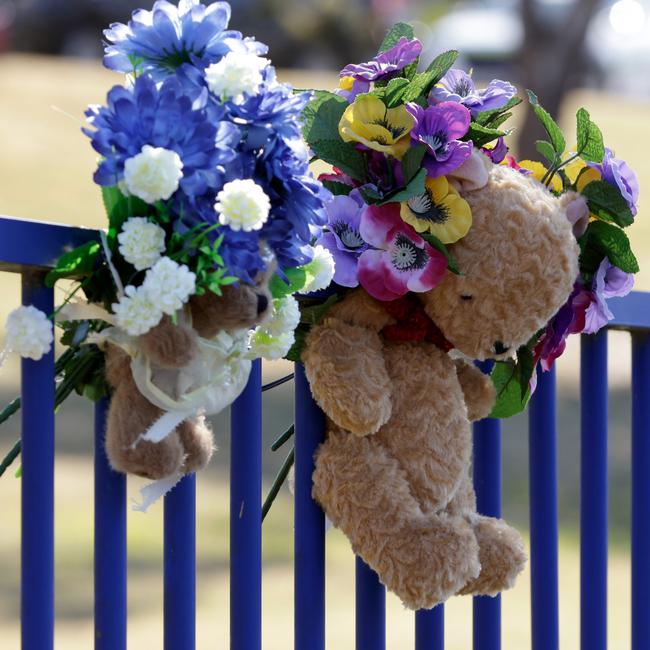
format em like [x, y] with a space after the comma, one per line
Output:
[162, 116]
[161, 40]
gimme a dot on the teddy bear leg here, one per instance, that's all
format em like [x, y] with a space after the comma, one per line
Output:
[501, 549]
[424, 559]
[196, 438]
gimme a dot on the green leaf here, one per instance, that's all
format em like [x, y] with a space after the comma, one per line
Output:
[343, 155]
[482, 135]
[452, 265]
[412, 161]
[394, 34]
[74, 264]
[607, 202]
[423, 82]
[414, 188]
[297, 278]
[487, 118]
[111, 197]
[337, 188]
[314, 314]
[546, 149]
[321, 117]
[550, 125]
[606, 240]
[394, 92]
[511, 380]
[590, 139]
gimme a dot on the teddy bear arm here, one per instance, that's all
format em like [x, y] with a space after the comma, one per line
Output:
[169, 345]
[478, 390]
[346, 371]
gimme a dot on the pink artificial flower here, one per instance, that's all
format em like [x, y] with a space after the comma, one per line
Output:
[401, 260]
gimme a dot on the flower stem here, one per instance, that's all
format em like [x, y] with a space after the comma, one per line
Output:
[277, 484]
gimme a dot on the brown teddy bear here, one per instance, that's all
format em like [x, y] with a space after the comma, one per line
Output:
[171, 347]
[394, 472]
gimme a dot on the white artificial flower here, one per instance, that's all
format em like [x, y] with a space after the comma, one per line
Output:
[269, 346]
[28, 333]
[236, 76]
[141, 242]
[169, 285]
[243, 205]
[154, 174]
[321, 268]
[284, 318]
[136, 313]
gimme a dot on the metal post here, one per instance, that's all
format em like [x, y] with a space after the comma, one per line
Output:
[430, 629]
[370, 609]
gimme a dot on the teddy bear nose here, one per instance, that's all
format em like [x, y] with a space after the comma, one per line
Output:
[262, 303]
[500, 348]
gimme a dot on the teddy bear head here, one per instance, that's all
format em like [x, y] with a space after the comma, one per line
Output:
[240, 305]
[519, 262]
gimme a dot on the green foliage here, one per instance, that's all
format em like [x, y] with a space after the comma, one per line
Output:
[412, 161]
[343, 155]
[394, 34]
[546, 150]
[605, 240]
[336, 188]
[607, 203]
[423, 82]
[494, 118]
[511, 379]
[76, 263]
[589, 137]
[394, 92]
[452, 265]
[482, 135]
[297, 279]
[322, 115]
[415, 187]
[119, 208]
[550, 125]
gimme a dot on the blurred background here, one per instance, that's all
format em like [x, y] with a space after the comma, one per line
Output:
[594, 53]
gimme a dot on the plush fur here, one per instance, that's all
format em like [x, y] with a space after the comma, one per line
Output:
[188, 448]
[394, 472]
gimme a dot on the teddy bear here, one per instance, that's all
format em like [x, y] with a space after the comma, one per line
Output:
[394, 471]
[170, 347]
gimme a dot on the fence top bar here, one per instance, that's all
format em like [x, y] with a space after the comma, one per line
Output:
[631, 313]
[27, 244]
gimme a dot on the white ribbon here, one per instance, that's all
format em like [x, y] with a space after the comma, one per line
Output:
[154, 491]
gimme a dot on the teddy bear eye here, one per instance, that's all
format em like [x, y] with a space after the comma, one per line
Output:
[466, 297]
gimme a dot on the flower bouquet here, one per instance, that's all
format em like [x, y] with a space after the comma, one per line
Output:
[406, 142]
[212, 213]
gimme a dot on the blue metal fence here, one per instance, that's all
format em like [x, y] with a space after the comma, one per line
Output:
[30, 248]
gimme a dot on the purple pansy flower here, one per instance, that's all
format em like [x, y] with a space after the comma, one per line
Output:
[344, 240]
[457, 86]
[403, 53]
[570, 319]
[400, 260]
[609, 282]
[358, 87]
[617, 172]
[439, 128]
[498, 153]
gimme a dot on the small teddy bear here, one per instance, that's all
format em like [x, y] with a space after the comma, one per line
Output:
[171, 347]
[394, 471]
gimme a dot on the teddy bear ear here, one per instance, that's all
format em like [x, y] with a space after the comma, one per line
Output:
[473, 174]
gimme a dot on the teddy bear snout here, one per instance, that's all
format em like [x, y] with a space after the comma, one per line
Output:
[500, 348]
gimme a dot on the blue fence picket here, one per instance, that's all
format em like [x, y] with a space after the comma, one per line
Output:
[544, 514]
[370, 609]
[246, 516]
[430, 629]
[110, 545]
[487, 484]
[180, 566]
[593, 492]
[37, 551]
[640, 490]
[309, 530]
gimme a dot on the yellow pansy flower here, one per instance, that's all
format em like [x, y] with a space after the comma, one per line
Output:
[574, 171]
[539, 171]
[440, 210]
[346, 83]
[369, 122]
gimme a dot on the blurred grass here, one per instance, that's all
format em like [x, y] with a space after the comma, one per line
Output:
[46, 169]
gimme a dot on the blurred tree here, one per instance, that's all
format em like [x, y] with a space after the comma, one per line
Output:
[553, 61]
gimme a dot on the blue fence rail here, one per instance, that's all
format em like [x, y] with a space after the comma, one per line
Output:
[30, 248]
